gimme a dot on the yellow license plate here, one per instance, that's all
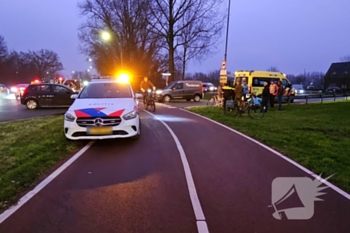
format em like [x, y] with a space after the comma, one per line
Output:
[100, 131]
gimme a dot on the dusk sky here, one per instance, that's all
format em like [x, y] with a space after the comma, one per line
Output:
[291, 35]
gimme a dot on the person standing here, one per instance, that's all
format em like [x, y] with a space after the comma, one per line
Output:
[238, 93]
[265, 97]
[279, 94]
[273, 92]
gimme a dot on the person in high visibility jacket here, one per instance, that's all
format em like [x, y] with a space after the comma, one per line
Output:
[229, 93]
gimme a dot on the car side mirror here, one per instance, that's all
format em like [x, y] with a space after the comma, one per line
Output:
[138, 96]
[74, 96]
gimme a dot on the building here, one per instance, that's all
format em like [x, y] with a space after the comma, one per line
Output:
[338, 75]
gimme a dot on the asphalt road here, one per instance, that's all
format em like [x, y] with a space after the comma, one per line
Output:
[140, 186]
[11, 109]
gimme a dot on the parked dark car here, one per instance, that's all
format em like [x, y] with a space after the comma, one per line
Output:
[333, 90]
[47, 95]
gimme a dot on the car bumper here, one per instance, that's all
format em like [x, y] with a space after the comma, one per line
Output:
[126, 129]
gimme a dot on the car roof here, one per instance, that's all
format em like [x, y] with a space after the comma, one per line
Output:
[194, 81]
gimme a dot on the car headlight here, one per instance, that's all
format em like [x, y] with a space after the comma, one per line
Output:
[301, 91]
[130, 115]
[14, 89]
[69, 117]
[159, 92]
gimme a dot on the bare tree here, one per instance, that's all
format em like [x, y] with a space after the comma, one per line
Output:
[133, 46]
[192, 24]
[273, 69]
[196, 42]
[345, 58]
[45, 62]
[3, 49]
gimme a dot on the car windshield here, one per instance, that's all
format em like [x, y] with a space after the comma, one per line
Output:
[171, 85]
[105, 90]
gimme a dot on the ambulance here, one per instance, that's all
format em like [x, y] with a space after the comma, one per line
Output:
[255, 80]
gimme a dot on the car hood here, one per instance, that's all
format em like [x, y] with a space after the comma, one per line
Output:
[102, 107]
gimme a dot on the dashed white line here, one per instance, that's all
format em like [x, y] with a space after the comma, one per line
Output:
[335, 188]
[197, 208]
[45, 182]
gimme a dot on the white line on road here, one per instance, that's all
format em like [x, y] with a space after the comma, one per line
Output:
[165, 105]
[201, 223]
[335, 188]
[45, 182]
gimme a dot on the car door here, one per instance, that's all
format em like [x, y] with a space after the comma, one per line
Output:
[178, 91]
[61, 96]
[44, 95]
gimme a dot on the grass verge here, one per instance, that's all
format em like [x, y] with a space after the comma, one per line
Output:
[28, 150]
[314, 135]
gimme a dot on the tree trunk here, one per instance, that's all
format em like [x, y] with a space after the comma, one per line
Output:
[184, 63]
[171, 42]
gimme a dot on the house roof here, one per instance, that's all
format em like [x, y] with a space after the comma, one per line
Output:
[338, 68]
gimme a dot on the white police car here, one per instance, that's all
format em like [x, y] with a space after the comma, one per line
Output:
[104, 109]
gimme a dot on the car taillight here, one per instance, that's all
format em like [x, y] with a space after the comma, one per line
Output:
[25, 91]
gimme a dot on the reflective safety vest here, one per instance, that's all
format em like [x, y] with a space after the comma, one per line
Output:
[228, 88]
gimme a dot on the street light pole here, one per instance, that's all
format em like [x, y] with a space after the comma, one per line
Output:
[227, 29]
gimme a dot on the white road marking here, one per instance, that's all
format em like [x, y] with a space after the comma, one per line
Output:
[335, 188]
[45, 182]
[201, 222]
[165, 105]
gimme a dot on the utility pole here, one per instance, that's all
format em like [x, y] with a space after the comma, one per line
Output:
[227, 28]
[223, 71]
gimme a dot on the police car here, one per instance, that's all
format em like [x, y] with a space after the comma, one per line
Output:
[104, 109]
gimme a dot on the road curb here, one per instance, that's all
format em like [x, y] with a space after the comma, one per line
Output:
[32, 118]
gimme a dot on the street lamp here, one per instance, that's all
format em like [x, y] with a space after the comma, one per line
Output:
[106, 36]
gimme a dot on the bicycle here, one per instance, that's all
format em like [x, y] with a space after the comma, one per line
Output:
[215, 101]
[253, 105]
[149, 101]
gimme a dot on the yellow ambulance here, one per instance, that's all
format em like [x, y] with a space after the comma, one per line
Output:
[255, 80]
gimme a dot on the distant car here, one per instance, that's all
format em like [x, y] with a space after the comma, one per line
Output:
[4, 90]
[18, 89]
[46, 95]
[333, 90]
[299, 89]
[104, 109]
[209, 87]
[183, 89]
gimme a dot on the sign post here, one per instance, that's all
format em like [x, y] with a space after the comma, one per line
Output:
[223, 73]
[166, 77]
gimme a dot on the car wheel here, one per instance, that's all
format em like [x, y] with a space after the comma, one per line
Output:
[197, 98]
[166, 98]
[32, 104]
